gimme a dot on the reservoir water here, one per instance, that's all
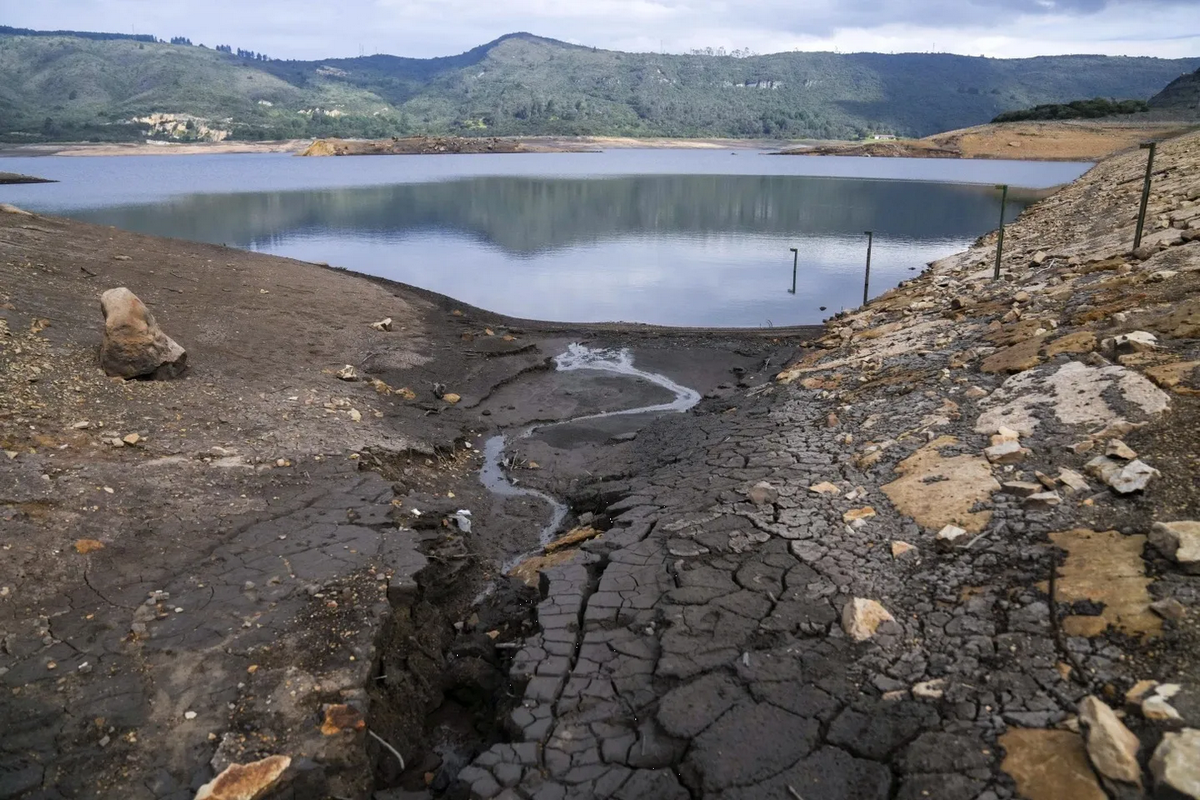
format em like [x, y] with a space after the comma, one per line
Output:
[675, 237]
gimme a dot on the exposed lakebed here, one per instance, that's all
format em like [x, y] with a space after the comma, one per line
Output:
[676, 237]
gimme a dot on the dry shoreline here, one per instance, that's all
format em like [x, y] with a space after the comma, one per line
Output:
[1070, 140]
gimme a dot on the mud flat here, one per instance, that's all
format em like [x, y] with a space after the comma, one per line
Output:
[436, 145]
[885, 559]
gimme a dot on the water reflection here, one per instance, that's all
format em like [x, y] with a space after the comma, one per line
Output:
[671, 249]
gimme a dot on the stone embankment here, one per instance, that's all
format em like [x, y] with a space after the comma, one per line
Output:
[949, 554]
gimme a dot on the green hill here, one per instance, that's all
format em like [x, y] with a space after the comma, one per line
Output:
[73, 87]
[1181, 98]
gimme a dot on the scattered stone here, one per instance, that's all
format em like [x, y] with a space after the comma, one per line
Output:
[856, 514]
[384, 324]
[1021, 488]
[347, 373]
[1042, 500]
[1045, 480]
[1155, 707]
[975, 393]
[832, 420]
[1178, 541]
[762, 493]
[1118, 449]
[929, 690]
[1008, 452]
[131, 439]
[1049, 765]
[949, 537]
[1170, 608]
[1072, 343]
[824, 488]
[1111, 746]
[245, 781]
[1137, 693]
[1168, 376]
[899, 548]
[451, 398]
[1039, 258]
[134, 346]
[1123, 478]
[1176, 762]
[85, 546]
[1005, 434]
[1073, 480]
[1021, 297]
[861, 618]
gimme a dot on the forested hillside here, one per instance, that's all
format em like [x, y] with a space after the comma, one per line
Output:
[77, 87]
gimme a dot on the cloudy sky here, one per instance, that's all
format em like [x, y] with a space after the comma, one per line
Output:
[422, 28]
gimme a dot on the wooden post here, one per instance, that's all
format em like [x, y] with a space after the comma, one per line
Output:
[867, 275]
[1000, 234]
[1137, 236]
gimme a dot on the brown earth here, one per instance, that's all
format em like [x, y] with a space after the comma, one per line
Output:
[1034, 141]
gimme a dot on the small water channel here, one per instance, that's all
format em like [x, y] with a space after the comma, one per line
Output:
[493, 474]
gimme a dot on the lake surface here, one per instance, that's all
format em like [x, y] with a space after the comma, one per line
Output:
[675, 237]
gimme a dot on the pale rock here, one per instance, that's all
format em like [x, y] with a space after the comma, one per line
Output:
[1111, 746]
[1118, 449]
[825, 487]
[1178, 541]
[1021, 297]
[1008, 452]
[1170, 608]
[1161, 275]
[949, 537]
[347, 373]
[1073, 480]
[1042, 500]
[763, 493]
[1176, 762]
[134, 346]
[1039, 258]
[1156, 707]
[1124, 478]
[1045, 480]
[1134, 342]
[975, 392]
[245, 781]
[899, 548]
[1021, 488]
[384, 324]
[858, 515]
[1137, 693]
[861, 618]
[929, 690]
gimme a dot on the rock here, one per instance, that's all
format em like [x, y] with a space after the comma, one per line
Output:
[384, 324]
[832, 420]
[347, 373]
[1039, 258]
[975, 392]
[451, 398]
[1045, 480]
[1005, 434]
[134, 346]
[762, 493]
[1073, 480]
[929, 690]
[856, 514]
[861, 618]
[1135, 342]
[825, 487]
[1124, 478]
[1176, 762]
[1021, 488]
[1170, 608]
[1111, 746]
[1118, 449]
[1168, 376]
[341, 718]
[1021, 297]
[1178, 541]
[1156, 707]
[1049, 765]
[245, 781]
[1143, 253]
[1042, 500]
[1008, 452]
[1137, 693]
[949, 537]
[899, 548]
[1072, 343]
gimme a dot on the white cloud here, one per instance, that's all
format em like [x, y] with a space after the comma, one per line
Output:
[423, 28]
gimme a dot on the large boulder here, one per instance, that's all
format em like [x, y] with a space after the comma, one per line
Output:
[134, 346]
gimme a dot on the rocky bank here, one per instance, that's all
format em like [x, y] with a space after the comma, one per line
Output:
[943, 548]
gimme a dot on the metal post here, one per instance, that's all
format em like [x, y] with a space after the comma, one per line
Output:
[867, 275]
[1137, 236]
[1000, 234]
[795, 261]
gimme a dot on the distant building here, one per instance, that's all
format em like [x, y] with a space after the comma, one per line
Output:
[882, 137]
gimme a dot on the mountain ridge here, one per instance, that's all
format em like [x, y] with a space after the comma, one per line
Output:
[67, 87]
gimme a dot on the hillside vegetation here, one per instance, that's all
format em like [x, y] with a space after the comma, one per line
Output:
[1181, 98]
[63, 88]
[1076, 109]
